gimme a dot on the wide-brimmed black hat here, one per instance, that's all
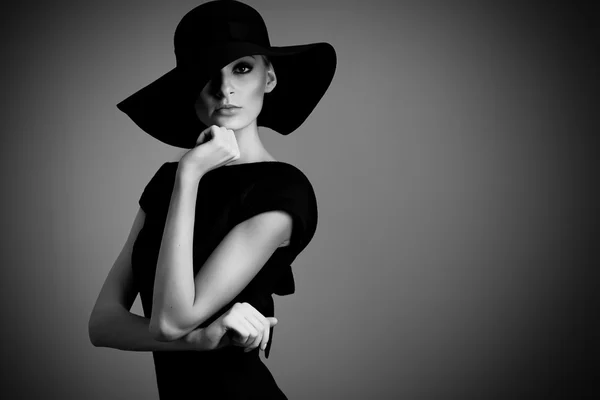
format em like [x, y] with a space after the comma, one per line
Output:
[211, 36]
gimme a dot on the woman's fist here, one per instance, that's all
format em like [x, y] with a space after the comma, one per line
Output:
[246, 327]
[242, 325]
[215, 147]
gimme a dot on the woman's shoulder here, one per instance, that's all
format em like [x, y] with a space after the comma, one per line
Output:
[168, 167]
[164, 175]
[281, 183]
[283, 174]
[284, 169]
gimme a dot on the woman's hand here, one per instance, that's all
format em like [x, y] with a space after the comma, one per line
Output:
[242, 325]
[215, 146]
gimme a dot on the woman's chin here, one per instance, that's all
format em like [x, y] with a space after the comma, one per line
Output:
[229, 122]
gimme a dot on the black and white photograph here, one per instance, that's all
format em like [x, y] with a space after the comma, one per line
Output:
[303, 200]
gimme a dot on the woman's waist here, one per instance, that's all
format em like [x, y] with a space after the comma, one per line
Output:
[225, 373]
[182, 365]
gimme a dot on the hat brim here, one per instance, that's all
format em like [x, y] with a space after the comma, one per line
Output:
[165, 108]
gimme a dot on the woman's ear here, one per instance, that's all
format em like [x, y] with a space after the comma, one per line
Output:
[271, 79]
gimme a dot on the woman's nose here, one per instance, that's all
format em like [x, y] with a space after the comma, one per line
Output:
[222, 85]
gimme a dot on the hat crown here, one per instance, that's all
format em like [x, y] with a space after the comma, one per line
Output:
[215, 23]
[207, 39]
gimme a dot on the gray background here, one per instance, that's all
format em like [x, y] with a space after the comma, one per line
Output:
[451, 158]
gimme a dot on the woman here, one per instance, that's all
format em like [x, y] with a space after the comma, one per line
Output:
[216, 232]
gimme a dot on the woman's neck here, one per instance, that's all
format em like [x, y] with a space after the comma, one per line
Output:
[250, 145]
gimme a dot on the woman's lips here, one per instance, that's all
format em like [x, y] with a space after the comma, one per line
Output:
[227, 110]
[227, 106]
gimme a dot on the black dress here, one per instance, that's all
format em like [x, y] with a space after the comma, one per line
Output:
[226, 196]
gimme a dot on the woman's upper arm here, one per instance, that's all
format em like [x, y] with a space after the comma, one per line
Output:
[119, 288]
[231, 266]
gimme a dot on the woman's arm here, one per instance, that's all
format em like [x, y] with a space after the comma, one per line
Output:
[180, 302]
[111, 323]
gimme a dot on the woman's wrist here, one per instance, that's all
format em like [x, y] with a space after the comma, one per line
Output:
[185, 175]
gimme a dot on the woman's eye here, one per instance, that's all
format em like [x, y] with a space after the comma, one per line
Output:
[243, 68]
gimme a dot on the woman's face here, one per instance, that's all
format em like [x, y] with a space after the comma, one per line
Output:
[241, 86]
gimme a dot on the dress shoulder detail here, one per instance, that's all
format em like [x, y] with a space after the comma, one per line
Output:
[287, 189]
[159, 188]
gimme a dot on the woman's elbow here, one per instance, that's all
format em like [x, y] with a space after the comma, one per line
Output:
[162, 330]
[95, 329]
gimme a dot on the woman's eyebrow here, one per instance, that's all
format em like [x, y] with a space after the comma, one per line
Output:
[245, 58]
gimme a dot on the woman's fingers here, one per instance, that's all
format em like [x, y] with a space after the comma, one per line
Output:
[233, 323]
[265, 325]
[245, 332]
[248, 313]
[255, 334]
[251, 328]
[260, 327]
[272, 321]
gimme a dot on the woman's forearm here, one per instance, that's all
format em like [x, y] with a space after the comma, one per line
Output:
[174, 287]
[120, 329]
